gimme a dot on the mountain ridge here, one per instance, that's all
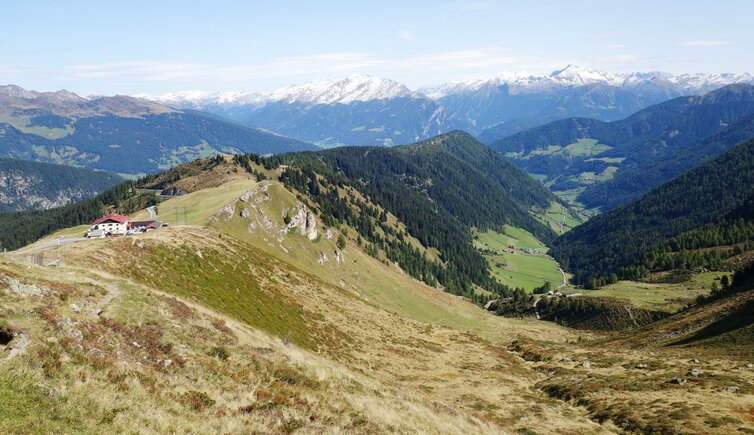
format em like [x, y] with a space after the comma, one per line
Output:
[370, 110]
[617, 241]
[27, 185]
[109, 132]
[663, 137]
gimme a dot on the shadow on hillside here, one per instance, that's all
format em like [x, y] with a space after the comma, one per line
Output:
[741, 318]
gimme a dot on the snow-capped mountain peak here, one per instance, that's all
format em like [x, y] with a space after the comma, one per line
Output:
[362, 88]
[710, 81]
[575, 75]
[200, 99]
[348, 90]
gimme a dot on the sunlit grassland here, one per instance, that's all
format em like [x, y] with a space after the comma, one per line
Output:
[517, 268]
[662, 296]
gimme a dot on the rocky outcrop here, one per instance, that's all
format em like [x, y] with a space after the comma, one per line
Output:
[303, 221]
[227, 211]
[22, 289]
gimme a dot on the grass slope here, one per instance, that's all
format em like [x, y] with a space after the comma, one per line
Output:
[382, 285]
[354, 367]
[358, 360]
[513, 266]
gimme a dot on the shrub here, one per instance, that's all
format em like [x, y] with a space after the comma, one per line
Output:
[220, 352]
[198, 400]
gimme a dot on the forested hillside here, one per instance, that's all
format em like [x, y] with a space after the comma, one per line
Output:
[607, 164]
[438, 195]
[26, 185]
[160, 141]
[619, 240]
[630, 183]
[438, 190]
[712, 246]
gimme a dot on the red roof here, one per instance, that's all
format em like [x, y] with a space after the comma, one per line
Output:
[113, 217]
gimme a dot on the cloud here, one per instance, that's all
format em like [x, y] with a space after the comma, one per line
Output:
[143, 70]
[306, 67]
[456, 60]
[705, 43]
[406, 35]
[626, 58]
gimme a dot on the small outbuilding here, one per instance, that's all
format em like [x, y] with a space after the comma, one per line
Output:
[144, 226]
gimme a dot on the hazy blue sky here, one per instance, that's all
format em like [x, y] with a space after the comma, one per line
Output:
[163, 46]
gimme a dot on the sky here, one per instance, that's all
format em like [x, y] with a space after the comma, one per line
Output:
[155, 47]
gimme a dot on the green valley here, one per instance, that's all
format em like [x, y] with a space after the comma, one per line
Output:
[602, 165]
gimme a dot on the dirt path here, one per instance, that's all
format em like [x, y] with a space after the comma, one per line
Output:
[565, 280]
[112, 292]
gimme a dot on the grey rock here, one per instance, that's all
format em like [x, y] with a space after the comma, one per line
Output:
[70, 330]
[641, 366]
[27, 289]
[696, 372]
[566, 359]
[678, 381]
[586, 364]
[731, 389]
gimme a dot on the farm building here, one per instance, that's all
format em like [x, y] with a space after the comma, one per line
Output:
[113, 224]
[144, 226]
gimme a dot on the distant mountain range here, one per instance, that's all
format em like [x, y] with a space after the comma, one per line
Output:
[120, 134]
[606, 164]
[26, 185]
[357, 110]
[368, 110]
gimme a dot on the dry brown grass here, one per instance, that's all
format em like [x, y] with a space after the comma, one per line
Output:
[372, 371]
[363, 369]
